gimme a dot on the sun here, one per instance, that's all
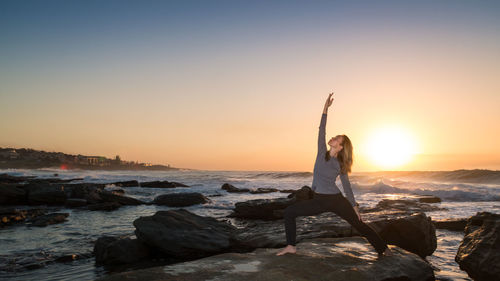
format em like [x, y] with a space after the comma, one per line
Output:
[390, 147]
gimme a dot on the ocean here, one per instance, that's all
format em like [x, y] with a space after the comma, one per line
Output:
[464, 193]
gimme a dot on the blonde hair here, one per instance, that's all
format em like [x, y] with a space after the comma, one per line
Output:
[344, 156]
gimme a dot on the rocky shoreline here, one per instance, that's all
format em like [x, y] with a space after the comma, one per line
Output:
[187, 245]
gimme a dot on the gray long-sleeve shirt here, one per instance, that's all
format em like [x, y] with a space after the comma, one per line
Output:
[326, 172]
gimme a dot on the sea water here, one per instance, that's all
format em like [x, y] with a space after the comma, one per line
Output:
[464, 193]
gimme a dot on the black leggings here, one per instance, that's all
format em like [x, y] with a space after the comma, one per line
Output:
[336, 203]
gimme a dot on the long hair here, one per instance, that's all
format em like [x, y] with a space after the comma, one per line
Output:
[344, 156]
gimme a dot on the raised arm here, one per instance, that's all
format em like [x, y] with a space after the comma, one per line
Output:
[322, 126]
[346, 184]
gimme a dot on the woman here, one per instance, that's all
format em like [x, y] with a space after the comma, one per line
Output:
[326, 195]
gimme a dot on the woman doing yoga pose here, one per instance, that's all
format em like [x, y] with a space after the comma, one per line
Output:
[326, 195]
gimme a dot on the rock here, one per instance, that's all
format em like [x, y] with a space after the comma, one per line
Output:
[119, 250]
[162, 184]
[271, 233]
[182, 234]
[125, 183]
[288, 190]
[263, 190]
[415, 233]
[109, 196]
[45, 193]
[406, 206]
[106, 206]
[304, 193]
[86, 191]
[451, 224]
[429, 199]
[6, 178]
[231, 188]
[10, 194]
[75, 202]
[261, 208]
[181, 199]
[9, 216]
[49, 219]
[269, 209]
[479, 251]
[349, 259]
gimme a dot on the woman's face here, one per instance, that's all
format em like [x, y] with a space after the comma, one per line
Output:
[336, 142]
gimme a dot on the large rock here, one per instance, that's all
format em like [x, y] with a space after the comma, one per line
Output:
[405, 206]
[261, 208]
[415, 233]
[231, 188]
[10, 194]
[451, 224]
[269, 209]
[349, 259]
[304, 193]
[479, 251]
[271, 233]
[45, 193]
[109, 196]
[181, 199]
[119, 250]
[182, 234]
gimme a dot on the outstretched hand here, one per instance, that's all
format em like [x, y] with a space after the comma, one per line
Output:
[329, 100]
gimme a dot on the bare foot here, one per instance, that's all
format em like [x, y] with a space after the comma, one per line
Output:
[288, 249]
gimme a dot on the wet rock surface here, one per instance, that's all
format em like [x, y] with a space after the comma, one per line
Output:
[479, 251]
[316, 259]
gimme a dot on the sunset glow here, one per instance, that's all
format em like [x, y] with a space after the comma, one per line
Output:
[390, 147]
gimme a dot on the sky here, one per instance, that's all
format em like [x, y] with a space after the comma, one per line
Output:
[241, 85]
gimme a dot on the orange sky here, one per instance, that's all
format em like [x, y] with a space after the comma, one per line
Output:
[247, 94]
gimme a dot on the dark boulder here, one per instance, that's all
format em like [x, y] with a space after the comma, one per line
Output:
[429, 199]
[181, 199]
[304, 193]
[405, 206]
[182, 234]
[109, 196]
[231, 188]
[11, 194]
[45, 193]
[415, 233]
[266, 209]
[479, 251]
[451, 224]
[119, 250]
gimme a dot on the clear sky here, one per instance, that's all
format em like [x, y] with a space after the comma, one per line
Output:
[240, 85]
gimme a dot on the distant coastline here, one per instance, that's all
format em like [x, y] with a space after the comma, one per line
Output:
[27, 158]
